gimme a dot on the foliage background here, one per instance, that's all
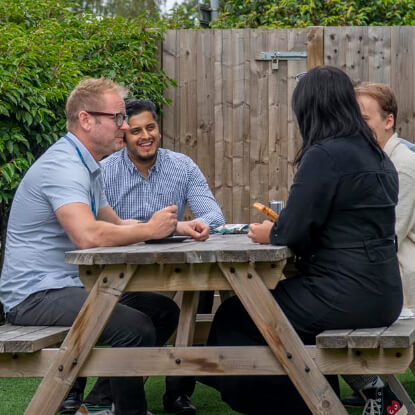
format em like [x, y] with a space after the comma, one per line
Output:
[126, 8]
[300, 13]
[46, 48]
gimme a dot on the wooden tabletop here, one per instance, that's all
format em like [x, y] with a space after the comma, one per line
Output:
[218, 248]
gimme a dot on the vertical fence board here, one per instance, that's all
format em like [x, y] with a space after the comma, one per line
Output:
[219, 106]
[402, 73]
[379, 54]
[296, 42]
[334, 53]
[228, 129]
[171, 112]
[188, 92]
[356, 47]
[315, 47]
[259, 150]
[205, 105]
[240, 121]
[278, 128]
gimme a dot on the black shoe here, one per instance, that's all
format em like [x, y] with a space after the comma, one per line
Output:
[354, 401]
[72, 402]
[382, 401]
[182, 405]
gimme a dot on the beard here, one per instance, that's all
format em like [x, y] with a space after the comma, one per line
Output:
[146, 159]
[143, 159]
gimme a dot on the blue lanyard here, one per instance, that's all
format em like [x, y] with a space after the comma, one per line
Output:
[93, 208]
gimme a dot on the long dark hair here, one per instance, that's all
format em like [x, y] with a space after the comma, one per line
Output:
[325, 105]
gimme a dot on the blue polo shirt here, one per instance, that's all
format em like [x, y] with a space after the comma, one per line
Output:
[36, 242]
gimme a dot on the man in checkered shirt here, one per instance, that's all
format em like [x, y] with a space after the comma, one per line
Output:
[143, 178]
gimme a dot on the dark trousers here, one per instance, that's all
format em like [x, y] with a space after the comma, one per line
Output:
[252, 395]
[175, 385]
[139, 320]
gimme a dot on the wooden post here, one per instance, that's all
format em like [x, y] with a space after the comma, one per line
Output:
[315, 46]
[186, 327]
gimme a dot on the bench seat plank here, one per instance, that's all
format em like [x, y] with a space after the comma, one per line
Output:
[365, 338]
[30, 339]
[333, 339]
[399, 334]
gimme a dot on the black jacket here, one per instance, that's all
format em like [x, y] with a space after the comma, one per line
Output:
[339, 221]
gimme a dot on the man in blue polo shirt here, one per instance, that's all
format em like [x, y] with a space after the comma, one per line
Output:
[60, 206]
[141, 179]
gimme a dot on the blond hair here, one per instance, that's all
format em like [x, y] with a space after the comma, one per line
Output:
[383, 95]
[87, 95]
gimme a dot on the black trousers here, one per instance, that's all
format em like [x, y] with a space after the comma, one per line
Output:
[253, 395]
[139, 320]
[176, 386]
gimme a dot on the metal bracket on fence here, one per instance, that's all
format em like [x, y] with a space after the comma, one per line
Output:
[277, 56]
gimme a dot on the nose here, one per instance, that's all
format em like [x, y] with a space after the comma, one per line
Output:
[145, 133]
[124, 126]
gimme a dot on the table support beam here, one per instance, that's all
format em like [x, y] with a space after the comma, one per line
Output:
[207, 361]
[282, 339]
[83, 335]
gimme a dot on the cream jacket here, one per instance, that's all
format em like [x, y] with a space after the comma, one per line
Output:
[404, 161]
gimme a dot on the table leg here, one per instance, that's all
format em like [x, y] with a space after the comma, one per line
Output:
[188, 310]
[82, 336]
[282, 339]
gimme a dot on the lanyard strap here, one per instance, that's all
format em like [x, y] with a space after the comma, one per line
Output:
[93, 207]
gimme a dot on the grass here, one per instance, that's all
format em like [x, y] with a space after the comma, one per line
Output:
[15, 395]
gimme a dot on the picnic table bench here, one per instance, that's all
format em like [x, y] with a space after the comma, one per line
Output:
[384, 343]
[29, 339]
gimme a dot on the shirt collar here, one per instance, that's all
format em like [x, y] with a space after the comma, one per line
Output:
[90, 162]
[391, 144]
[131, 166]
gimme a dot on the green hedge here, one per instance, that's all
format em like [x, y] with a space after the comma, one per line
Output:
[46, 48]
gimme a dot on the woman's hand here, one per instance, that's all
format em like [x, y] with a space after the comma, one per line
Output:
[259, 232]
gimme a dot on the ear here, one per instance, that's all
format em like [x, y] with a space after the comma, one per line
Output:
[390, 122]
[84, 120]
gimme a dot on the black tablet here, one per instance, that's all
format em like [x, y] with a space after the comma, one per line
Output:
[169, 239]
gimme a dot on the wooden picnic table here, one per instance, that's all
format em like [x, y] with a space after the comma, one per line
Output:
[223, 262]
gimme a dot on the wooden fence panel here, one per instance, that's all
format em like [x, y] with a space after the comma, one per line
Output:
[232, 113]
[188, 92]
[259, 123]
[171, 117]
[205, 105]
[380, 54]
[278, 126]
[402, 78]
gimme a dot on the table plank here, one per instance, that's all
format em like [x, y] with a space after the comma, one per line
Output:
[218, 248]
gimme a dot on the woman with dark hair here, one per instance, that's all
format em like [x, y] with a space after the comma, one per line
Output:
[339, 221]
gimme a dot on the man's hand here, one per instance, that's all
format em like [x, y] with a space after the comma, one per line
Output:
[194, 228]
[259, 232]
[163, 222]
